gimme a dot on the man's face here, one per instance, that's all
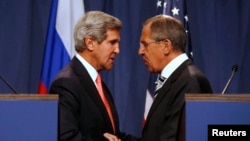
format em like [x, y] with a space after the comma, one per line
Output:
[150, 50]
[106, 51]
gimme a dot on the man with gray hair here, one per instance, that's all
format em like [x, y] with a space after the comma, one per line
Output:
[162, 48]
[86, 107]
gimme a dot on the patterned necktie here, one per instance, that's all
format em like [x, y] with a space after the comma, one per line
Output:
[104, 99]
[159, 83]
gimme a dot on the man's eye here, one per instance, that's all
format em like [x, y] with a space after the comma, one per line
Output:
[113, 42]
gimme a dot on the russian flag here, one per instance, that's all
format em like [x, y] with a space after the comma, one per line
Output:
[59, 48]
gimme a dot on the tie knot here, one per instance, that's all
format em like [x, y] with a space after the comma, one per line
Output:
[160, 80]
[159, 83]
[98, 79]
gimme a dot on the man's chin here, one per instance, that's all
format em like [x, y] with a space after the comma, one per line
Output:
[108, 67]
[151, 70]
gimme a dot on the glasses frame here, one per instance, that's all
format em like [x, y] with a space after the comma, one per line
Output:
[145, 44]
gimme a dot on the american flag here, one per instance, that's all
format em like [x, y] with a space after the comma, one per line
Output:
[178, 10]
[149, 95]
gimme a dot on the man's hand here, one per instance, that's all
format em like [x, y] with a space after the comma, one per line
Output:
[111, 137]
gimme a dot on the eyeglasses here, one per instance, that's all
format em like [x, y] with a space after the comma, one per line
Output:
[145, 44]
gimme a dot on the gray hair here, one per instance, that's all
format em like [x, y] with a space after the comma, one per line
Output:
[94, 24]
[166, 27]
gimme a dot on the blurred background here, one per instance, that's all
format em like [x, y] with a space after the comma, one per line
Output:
[219, 36]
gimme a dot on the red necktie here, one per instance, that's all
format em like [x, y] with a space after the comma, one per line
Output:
[104, 99]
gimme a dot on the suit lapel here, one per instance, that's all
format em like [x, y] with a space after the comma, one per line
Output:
[162, 92]
[86, 80]
[111, 104]
[90, 89]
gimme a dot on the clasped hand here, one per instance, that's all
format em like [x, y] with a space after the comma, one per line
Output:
[111, 137]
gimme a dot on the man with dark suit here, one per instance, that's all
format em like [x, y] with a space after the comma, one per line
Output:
[162, 47]
[84, 114]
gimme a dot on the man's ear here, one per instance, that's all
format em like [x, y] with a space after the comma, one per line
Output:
[167, 46]
[89, 42]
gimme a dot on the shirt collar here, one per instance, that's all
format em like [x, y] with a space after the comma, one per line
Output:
[173, 65]
[90, 69]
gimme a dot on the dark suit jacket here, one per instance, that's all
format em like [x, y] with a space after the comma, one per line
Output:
[82, 114]
[165, 121]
